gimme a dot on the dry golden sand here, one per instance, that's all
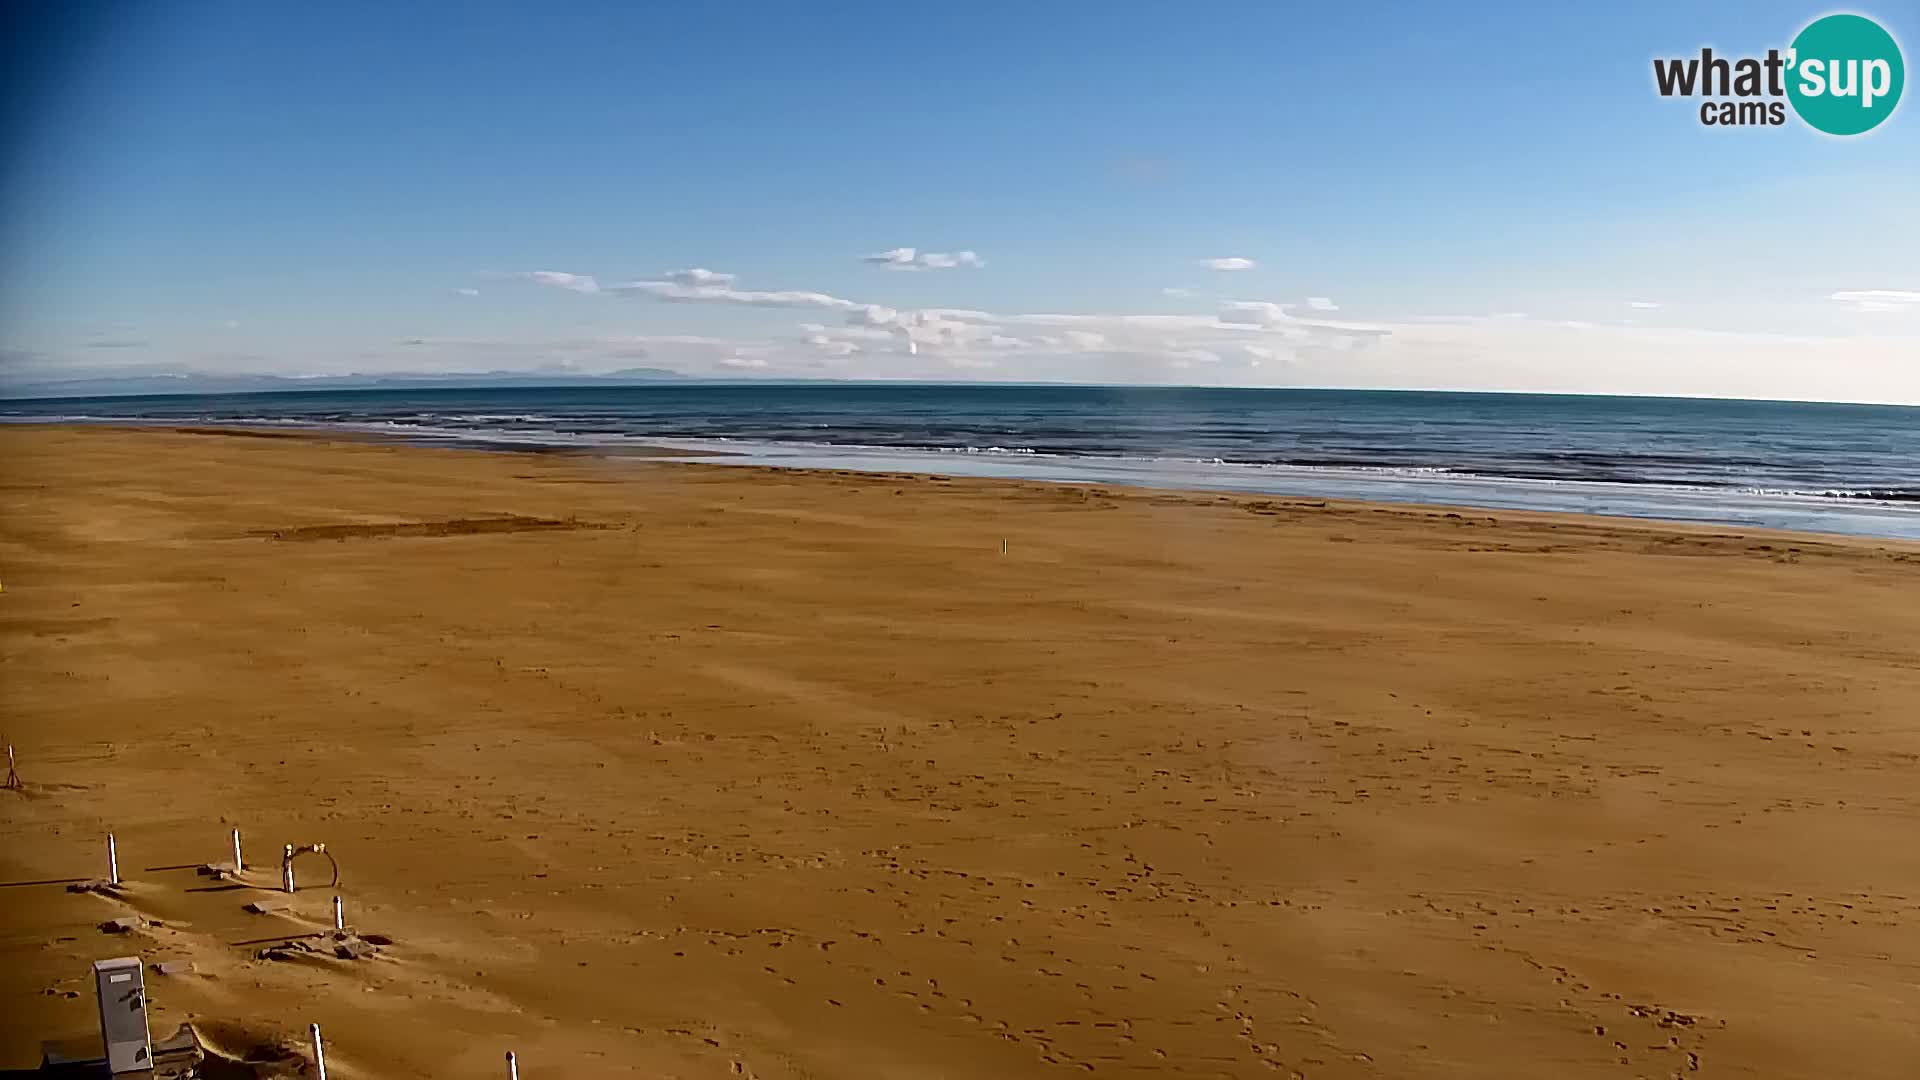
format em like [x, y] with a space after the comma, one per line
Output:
[693, 767]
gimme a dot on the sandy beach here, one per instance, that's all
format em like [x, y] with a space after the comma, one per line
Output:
[668, 770]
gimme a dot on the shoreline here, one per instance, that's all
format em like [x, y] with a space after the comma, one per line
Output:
[745, 458]
[698, 770]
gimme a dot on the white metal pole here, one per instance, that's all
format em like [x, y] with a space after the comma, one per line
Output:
[513, 1067]
[286, 868]
[319, 1053]
[113, 862]
[339, 915]
[237, 864]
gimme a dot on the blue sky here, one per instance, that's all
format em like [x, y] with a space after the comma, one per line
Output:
[1452, 196]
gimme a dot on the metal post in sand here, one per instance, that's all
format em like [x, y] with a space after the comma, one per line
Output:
[319, 1053]
[1003, 545]
[339, 915]
[113, 862]
[286, 868]
[513, 1067]
[237, 864]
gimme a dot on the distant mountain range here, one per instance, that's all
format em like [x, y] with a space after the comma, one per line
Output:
[131, 384]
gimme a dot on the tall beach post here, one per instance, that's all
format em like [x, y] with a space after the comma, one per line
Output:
[286, 868]
[513, 1067]
[113, 862]
[237, 864]
[339, 914]
[319, 1052]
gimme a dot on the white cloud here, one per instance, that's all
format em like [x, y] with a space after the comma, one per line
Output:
[577, 282]
[1142, 342]
[831, 346]
[1479, 352]
[1176, 292]
[937, 260]
[467, 292]
[1879, 299]
[698, 276]
[1264, 343]
[1322, 303]
[1257, 312]
[679, 286]
[906, 258]
[1231, 262]
[1276, 317]
[859, 333]
[1086, 344]
[1504, 353]
[1643, 305]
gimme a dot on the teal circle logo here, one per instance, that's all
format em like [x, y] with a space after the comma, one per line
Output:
[1845, 74]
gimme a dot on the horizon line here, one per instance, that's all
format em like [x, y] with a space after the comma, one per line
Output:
[494, 380]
